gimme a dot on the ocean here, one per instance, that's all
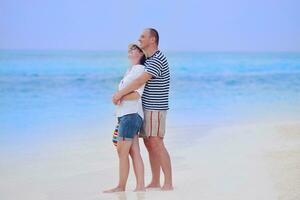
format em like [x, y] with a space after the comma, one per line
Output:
[48, 90]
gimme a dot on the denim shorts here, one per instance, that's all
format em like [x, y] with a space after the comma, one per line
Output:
[129, 126]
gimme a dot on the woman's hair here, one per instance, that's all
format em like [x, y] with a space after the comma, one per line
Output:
[143, 59]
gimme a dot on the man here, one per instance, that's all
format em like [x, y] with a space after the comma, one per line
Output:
[155, 101]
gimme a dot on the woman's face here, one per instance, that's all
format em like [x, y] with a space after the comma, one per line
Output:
[134, 53]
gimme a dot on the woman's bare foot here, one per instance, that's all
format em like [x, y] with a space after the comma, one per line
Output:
[139, 189]
[153, 185]
[167, 187]
[116, 189]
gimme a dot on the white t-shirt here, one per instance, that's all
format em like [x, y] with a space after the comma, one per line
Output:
[131, 106]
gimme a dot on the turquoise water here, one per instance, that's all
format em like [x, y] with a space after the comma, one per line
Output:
[46, 89]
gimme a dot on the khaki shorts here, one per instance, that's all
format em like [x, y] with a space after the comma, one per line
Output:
[154, 123]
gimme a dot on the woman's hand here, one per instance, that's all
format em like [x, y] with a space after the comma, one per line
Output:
[116, 98]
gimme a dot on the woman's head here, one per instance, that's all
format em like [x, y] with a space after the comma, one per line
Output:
[136, 54]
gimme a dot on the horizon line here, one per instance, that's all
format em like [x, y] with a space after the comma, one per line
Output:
[164, 50]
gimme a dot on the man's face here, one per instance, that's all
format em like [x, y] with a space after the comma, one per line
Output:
[145, 39]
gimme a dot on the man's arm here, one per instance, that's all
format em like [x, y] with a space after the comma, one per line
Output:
[131, 96]
[141, 80]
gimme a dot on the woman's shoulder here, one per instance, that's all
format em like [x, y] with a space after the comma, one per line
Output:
[138, 68]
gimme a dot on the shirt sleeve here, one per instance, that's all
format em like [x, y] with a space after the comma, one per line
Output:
[154, 67]
[136, 72]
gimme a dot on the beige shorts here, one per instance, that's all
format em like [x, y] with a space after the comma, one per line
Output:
[154, 123]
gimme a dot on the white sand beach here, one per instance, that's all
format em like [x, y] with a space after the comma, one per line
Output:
[249, 161]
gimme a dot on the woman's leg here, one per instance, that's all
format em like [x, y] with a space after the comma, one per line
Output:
[138, 164]
[123, 152]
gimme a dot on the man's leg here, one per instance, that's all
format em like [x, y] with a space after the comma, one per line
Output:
[155, 166]
[161, 158]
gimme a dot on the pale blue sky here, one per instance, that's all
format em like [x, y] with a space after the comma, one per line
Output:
[195, 25]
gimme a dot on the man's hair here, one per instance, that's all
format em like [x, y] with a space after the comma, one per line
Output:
[154, 33]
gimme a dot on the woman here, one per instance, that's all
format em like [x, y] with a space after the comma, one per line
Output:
[130, 118]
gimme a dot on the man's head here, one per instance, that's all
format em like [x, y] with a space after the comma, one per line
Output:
[149, 39]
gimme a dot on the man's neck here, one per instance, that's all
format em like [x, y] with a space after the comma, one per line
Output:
[151, 51]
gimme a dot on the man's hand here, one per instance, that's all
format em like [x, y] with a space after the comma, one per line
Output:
[116, 98]
[142, 79]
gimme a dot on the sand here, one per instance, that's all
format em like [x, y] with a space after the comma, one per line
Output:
[244, 161]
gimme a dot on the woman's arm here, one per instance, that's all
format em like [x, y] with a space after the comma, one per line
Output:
[131, 96]
[142, 79]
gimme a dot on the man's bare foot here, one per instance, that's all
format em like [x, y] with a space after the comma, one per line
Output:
[153, 185]
[167, 187]
[116, 189]
[139, 189]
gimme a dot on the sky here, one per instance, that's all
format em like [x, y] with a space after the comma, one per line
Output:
[190, 25]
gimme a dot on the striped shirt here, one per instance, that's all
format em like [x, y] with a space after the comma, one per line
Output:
[156, 92]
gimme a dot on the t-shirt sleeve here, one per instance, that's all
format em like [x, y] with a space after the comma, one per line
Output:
[136, 72]
[154, 67]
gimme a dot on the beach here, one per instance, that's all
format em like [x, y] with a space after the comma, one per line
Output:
[233, 128]
[225, 79]
[254, 161]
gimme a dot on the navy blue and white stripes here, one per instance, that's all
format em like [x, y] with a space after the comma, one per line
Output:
[156, 92]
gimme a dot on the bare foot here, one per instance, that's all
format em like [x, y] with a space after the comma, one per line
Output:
[116, 189]
[139, 189]
[167, 187]
[153, 185]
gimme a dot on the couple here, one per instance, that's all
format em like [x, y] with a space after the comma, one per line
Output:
[142, 104]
